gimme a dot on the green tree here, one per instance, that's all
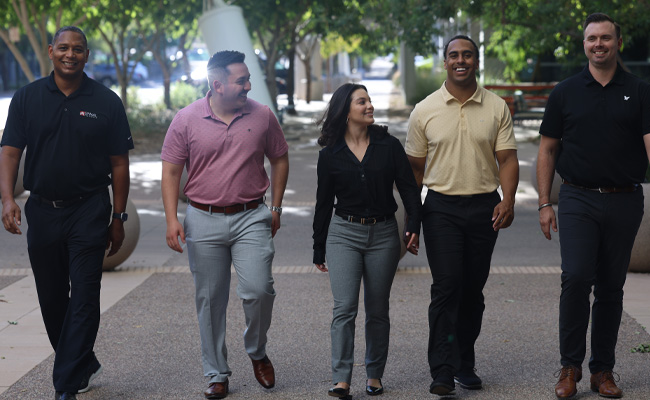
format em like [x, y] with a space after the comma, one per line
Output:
[173, 21]
[528, 28]
[127, 28]
[37, 19]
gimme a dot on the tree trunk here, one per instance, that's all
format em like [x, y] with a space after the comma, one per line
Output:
[291, 82]
[24, 66]
[308, 73]
[270, 82]
[161, 59]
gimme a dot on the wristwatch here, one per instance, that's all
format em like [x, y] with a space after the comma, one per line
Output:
[121, 216]
[276, 209]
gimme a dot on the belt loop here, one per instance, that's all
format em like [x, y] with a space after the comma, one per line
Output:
[349, 218]
[210, 209]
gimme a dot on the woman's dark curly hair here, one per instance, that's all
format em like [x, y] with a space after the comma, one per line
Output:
[333, 122]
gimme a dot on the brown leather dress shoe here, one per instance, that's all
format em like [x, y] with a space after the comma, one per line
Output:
[604, 383]
[264, 372]
[566, 383]
[216, 390]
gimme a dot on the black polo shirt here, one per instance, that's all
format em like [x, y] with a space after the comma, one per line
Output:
[364, 188]
[68, 139]
[601, 128]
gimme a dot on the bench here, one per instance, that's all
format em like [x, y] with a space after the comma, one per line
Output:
[525, 101]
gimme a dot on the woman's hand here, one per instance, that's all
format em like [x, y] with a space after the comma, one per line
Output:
[321, 267]
[412, 241]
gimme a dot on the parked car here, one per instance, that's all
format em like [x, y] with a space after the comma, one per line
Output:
[106, 74]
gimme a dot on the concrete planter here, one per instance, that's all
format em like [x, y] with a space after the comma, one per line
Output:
[640, 260]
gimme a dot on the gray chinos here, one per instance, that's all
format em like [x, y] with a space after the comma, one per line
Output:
[214, 242]
[357, 252]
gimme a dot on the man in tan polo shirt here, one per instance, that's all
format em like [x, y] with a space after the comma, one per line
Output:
[461, 145]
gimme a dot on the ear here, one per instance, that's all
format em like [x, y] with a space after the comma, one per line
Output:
[49, 50]
[217, 86]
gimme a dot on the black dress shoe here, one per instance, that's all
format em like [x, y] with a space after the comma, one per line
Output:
[65, 396]
[443, 384]
[339, 392]
[375, 391]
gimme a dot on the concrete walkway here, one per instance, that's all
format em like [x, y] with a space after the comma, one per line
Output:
[149, 344]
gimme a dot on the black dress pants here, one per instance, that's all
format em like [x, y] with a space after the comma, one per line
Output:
[66, 250]
[459, 240]
[597, 232]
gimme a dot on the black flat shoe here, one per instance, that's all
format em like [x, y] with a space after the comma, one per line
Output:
[375, 391]
[339, 392]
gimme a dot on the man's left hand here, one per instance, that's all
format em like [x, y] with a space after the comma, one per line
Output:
[115, 237]
[502, 216]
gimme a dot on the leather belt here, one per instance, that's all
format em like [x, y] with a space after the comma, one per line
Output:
[605, 189]
[65, 203]
[232, 209]
[364, 220]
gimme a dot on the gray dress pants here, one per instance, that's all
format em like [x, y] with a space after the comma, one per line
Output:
[214, 243]
[356, 253]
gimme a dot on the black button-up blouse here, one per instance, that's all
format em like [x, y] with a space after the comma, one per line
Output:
[364, 189]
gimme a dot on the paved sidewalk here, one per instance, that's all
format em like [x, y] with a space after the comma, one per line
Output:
[149, 343]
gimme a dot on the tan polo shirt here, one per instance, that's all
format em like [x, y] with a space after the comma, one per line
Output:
[460, 140]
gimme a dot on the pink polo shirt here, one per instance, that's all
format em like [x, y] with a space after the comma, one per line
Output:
[225, 164]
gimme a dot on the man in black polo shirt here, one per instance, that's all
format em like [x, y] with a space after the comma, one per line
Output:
[597, 126]
[77, 139]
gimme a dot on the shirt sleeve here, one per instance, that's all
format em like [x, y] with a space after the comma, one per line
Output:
[324, 207]
[416, 138]
[14, 131]
[407, 188]
[175, 148]
[123, 141]
[506, 135]
[276, 143]
[552, 124]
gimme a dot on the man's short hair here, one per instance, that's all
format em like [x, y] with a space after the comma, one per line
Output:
[463, 37]
[70, 29]
[602, 17]
[219, 62]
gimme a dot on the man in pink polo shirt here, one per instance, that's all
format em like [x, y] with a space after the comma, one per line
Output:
[222, 140]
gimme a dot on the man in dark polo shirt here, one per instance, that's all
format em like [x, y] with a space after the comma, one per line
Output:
[597, 126]
[77, 140]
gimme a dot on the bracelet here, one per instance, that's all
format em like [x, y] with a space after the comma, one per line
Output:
[544, 205]
[276, 209]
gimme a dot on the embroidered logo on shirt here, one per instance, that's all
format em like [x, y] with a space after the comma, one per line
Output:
[626, 98]
[88, 114]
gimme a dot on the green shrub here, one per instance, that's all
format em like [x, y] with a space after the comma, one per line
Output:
[182, 94]
[426, 82]
[149, 120]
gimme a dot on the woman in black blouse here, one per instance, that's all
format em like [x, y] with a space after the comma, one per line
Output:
[358, 166]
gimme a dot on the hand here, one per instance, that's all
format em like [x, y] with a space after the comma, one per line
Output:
[412, 241]
[547, 221]
[174, 231]
[321, 267]
[11, 217]
[115, 237]
[275, 222]
[503, 215]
